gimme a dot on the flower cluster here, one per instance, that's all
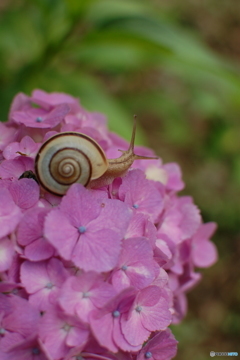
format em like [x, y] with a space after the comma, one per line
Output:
[95, 274]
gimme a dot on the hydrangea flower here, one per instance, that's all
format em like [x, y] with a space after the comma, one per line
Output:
[95, 274]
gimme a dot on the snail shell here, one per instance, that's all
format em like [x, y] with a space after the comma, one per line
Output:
[68, 158]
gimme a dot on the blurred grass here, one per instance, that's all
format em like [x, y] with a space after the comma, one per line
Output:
[174, 64]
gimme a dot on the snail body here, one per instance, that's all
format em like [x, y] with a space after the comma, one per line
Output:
[70, 157]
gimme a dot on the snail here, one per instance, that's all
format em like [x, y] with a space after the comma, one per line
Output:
[72, 157]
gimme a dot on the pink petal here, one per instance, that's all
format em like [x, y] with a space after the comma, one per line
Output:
[191, 218]
[136, 226]
[105, 323]
[114, 215]
[24, 350]
[84, 293]
[6, 254]
[80, 205]
[47, 100]
[77, 336]
[204, 254]
[121, 340]
[120, 280]
[174, 177]
[72, 301]
[43, 280]
[141, 194]
[56, 115]
[34, 276]
[9, 340]
[10, 214]
[25, 192]
[157, 317]
[162, 346]
[53, 335]
[133, 330]
[23, 319]
[56, 272]
[19, 101]
[137, 258]
[7, 135]
[97, 251]
[60, 233]
[11, 151]
[39, 250]
[31, 226]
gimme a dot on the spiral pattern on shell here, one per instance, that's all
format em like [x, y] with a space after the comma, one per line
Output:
[68, 158]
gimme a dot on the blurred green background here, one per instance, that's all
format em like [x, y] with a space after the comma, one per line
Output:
[174, 63]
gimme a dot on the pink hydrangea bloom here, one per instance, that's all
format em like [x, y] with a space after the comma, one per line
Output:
[83, 293]
[150, 312]
[60, 332]
[93, 226]
[42, 281]
[141, 195]
[109, 319]
[136, 266]
[94, 274]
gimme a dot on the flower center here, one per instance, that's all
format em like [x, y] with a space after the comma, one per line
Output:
[116, 313]
[85, 295]
[138, 308]
[135, 206]
[35, 351]
[2, 331]
[124, 267]
[49, 285]
[148, 355]
[39, 119]
[82, 229]
[66, 327]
